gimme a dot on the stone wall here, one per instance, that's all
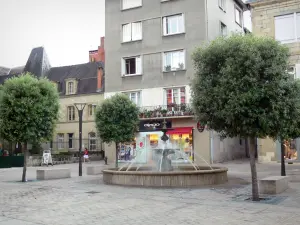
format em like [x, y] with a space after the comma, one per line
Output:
[263, 13]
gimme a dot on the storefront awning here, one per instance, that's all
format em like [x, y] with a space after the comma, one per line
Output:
[181, 130]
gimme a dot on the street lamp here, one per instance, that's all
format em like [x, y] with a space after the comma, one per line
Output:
[80, 107]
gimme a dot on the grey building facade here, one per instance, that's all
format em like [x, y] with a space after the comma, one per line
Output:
[149, 44]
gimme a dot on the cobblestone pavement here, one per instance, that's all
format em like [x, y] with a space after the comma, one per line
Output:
[86, 200]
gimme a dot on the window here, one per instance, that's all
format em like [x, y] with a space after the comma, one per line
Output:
[92, 110]
[132, 31]
[132, 66]
[92, 141]
[175, 96]
[70, 88]
[173, 24]
[238, 16]
[222, 4]
[135, 97]
[128, 4]
[174, 60]
[71, 113]
[287, 28]
[70, 137]
[223, 29]
[60, 141]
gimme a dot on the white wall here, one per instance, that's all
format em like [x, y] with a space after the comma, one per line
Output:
[153, 96]
[215, 16]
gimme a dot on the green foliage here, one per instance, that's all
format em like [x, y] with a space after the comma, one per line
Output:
[29, 109]
[117, 119]
[242, 88]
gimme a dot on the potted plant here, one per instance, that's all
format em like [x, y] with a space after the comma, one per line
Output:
[168, 68]
[148, 114]
[180, 66]
[164, 112]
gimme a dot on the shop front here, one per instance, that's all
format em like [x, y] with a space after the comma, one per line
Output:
[291, 148]
[148, 138]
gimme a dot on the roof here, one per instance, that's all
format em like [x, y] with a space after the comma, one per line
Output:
[37, 63]
[85, 74]
[4, 70]
[16, 70]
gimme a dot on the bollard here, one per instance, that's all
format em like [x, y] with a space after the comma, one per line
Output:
[105, 160]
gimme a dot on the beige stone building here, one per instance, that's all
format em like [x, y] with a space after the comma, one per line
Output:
[77, 84]
[279, 19]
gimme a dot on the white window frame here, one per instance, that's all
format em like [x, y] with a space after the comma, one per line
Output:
[70, 87]
[164, 23]
[70, 112]
[138, 97]
[133, 35]
[179, 95]
[225, 26]
[131, 7]
[92, 138]
[236, 8]
[295, 39]
[222, 5]
[138, 66]
[172, 68]
[60, 141]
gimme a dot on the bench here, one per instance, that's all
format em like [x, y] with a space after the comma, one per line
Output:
[273, 185]
[53, 173]
[94, 170]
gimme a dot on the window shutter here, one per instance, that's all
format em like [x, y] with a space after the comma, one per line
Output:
[127, 32]
[297, 72]
[285, 28]
[138, 65]
[137, 31]
[122, 67]
[165, 26]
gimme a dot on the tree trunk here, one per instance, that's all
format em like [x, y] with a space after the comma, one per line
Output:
[255, 194]
[282, 148]
[116, 155]
[25, 151]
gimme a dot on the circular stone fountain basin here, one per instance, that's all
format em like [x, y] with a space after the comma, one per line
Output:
[184, 176]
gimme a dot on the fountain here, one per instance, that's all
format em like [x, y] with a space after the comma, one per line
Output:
[162, 173]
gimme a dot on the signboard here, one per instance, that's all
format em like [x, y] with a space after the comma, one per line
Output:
[153, 125]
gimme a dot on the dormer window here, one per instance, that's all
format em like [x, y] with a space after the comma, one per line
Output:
[70, 87]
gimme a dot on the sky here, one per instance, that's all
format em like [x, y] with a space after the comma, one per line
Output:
[67, 29]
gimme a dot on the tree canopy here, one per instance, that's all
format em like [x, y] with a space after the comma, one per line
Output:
[29, 109]
[242, 88]
[117, 119]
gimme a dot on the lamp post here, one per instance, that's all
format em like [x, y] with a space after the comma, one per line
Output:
[80, 107]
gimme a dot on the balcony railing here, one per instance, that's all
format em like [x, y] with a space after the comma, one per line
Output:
[171, 110]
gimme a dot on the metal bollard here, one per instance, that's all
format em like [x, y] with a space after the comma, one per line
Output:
[105, 160]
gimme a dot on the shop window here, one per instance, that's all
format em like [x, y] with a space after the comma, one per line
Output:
[290, 148]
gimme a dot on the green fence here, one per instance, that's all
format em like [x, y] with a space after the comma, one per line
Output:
[11, 161]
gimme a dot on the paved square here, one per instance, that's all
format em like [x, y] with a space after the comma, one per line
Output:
[86, 200]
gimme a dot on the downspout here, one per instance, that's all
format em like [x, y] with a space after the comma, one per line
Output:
[206, 15]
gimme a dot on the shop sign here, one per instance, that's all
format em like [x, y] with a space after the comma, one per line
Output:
[153, 125]
[200, 127]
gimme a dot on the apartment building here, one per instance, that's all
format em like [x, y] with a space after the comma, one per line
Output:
[148, 46]
[280, 20]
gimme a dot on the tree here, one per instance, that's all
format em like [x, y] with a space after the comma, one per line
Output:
[28, 112]
[242, 88]
[117, 119]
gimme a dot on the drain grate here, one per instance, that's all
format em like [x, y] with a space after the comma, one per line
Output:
[272, 200]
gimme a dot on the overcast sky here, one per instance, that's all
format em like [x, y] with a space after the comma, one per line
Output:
[67, 29]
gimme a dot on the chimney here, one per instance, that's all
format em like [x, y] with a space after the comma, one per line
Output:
[101, 50]
[99, 78]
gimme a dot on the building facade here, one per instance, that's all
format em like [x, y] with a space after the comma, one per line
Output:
[149, 44]
[83, 83]
[281, 21]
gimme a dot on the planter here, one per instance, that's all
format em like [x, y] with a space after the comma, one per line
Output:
[11, 161]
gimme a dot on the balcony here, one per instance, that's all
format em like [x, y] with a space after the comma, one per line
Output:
[166, 111]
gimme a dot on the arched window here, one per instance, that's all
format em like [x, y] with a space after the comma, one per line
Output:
[92, 141]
